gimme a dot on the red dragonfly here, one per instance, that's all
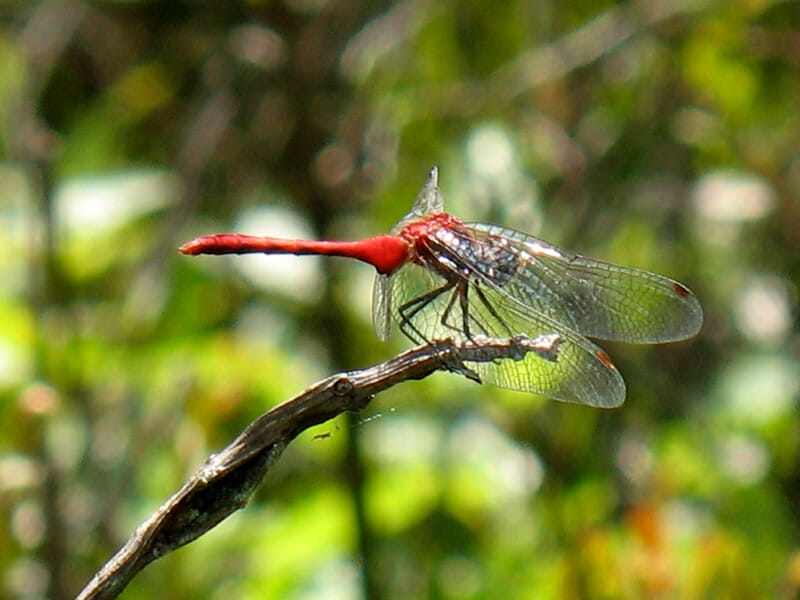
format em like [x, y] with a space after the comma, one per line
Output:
[440, 278]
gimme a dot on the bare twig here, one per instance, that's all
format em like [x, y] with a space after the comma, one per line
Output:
[228, 479]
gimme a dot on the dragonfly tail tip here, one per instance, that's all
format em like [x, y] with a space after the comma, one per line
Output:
[190, 247]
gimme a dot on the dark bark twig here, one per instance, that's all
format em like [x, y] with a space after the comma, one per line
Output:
[227, 480]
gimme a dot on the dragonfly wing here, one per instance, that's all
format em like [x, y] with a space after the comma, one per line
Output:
[581, 372]
[382, 305]
[594, 298]
[428, 201]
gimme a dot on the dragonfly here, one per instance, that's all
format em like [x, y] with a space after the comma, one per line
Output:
[441, 278]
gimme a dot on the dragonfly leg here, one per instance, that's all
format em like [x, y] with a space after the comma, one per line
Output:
[469, 316]
[458, 292]
[492, 310]
[490, 307]
[461, 292]
[463, 301]
[411, 308]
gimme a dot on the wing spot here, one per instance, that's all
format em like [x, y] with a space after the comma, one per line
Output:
[605, 359]
[682, 290]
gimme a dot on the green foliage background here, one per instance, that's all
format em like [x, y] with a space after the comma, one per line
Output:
[662, 135]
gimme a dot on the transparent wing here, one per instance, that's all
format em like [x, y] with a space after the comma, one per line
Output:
[428, 201]
[382, 305]
[591, 297]
[581, 372]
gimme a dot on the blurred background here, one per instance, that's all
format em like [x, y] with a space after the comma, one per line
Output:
[659, 134]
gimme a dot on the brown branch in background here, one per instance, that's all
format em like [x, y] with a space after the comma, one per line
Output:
[227, 480]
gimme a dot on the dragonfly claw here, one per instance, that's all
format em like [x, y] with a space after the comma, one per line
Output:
[459, 368]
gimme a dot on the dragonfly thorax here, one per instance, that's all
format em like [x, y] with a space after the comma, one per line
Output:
[457, 251]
